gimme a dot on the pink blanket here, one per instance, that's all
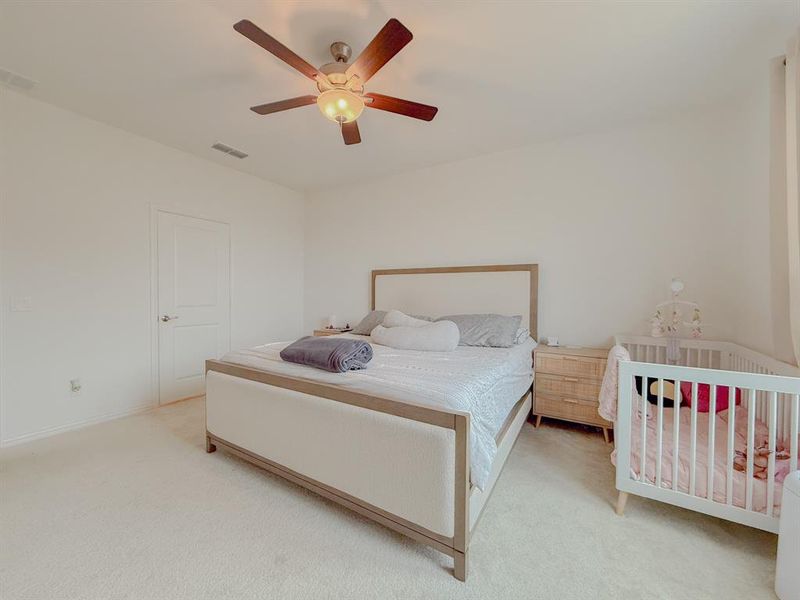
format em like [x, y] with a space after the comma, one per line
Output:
[608, 390]
[720, 473]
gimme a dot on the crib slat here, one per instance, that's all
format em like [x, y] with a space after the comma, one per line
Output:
[731, 445]
[693, 443]
[660, 431]
[643, 418]
[795, 419]
[786, 418]
[751, 437]
[773, 425]
[712, 431]
[676, 423]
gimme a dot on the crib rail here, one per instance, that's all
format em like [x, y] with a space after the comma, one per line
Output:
[663, 455]
[693, 353]
[707, 354]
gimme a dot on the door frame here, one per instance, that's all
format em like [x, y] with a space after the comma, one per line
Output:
[155, 209]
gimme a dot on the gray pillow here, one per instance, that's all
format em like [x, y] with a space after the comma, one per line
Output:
[497, 331]
[370, 322]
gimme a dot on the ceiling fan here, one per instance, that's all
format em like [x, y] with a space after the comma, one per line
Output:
[341, 84]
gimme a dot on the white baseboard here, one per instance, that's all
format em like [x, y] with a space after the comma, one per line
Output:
[43, 433]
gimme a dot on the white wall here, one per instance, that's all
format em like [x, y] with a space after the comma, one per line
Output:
[779, 240]
[76, 197]
[610, 218]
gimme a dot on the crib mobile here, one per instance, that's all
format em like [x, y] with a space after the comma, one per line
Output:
[667, 321]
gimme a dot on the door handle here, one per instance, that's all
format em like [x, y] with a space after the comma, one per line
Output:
[165, 318]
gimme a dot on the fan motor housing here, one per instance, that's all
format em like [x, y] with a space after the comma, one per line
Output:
[336, 72]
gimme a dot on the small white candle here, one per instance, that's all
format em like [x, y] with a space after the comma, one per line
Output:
[332, 321]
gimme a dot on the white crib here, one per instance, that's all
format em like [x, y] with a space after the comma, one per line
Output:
[770, 393]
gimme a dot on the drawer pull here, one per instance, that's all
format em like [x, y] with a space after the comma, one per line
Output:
[571, 400]
[571, 379]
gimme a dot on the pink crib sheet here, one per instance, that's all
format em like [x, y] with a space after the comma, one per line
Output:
[702, 455]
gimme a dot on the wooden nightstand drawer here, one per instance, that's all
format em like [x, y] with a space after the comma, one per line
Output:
[563, 385]
[574, 366]
[570, 409]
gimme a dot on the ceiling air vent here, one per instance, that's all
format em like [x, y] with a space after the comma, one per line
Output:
[16, 81]
[229, 150]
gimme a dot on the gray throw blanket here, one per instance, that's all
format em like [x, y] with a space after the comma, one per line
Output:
[331, 353]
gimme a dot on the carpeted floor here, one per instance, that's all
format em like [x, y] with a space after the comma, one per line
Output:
[135, 508]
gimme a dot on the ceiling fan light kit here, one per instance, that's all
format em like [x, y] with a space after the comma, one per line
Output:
[340, 105]
[340, 83]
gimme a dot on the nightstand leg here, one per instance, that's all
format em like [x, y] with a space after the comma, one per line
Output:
[621, 500]
[538, 421]
[606, 436]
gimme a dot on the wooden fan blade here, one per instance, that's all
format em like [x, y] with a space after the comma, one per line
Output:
[350, 133]
[273, 107]
[389, 41]
[402, 107]
[270, 44]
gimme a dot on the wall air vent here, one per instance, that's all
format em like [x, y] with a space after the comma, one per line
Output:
[17, 81]
[229, 150]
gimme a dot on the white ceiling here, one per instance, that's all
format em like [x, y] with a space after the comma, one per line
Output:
[503, 74]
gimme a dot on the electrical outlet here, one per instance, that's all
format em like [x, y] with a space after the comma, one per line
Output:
[75, 385]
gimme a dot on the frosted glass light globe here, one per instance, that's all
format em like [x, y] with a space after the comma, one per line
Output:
[340, 106]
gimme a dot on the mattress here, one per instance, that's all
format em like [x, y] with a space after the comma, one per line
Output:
[485, 382]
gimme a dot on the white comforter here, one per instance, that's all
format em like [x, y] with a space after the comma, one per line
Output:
[486, 382]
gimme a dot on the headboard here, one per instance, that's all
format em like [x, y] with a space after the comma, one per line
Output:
[437, 291]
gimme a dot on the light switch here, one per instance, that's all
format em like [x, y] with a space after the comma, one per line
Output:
[21, 304]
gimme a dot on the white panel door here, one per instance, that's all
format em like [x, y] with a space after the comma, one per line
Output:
[193, 302]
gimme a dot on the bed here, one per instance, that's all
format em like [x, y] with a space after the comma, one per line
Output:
[414, 442]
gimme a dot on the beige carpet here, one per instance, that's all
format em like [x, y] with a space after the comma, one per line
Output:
[136, 509]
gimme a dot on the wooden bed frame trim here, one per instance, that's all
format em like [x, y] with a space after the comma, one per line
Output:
[533, 269]
[408, 410]
[456, 546]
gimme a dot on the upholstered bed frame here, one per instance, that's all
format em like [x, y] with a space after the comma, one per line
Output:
[403, 465]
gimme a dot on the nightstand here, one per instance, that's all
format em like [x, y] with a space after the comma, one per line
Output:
[324, 332]
[567, 385]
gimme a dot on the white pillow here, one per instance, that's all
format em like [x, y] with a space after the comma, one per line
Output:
[395, 318]
[442, 336]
